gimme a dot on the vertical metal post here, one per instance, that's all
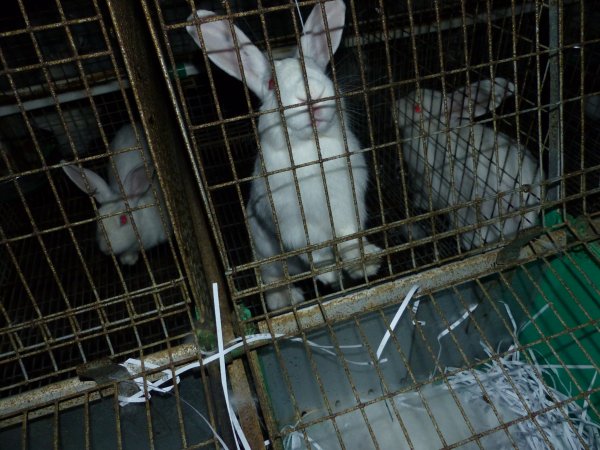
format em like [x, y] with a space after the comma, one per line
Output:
[555, 138]
[150, 88]
[164, 142]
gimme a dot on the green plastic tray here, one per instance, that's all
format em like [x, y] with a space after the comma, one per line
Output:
[564, 293]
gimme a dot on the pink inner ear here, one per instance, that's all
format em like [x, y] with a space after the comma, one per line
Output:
[123, 219]
[271, 84]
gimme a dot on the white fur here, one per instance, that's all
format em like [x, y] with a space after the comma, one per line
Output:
[469, 162]
[275, 156]
[138, 190]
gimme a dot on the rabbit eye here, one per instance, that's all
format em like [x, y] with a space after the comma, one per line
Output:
[417, 108]
[271, 84]
[123, 219]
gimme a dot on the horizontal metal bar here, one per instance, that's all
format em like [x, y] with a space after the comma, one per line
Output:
[343, 308]
[37, 398]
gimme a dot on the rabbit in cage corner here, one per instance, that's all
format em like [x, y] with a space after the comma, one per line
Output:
[139, 191]
[332, 175]
[468, 163]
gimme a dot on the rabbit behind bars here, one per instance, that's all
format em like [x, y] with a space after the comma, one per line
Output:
[308, 119]
[131, 170]
[469, 162]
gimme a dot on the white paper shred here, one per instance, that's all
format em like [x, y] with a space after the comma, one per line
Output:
[239, 436]
[294, 439]
[448, 330]
[566, 427]
[395, 320]
[516, 389]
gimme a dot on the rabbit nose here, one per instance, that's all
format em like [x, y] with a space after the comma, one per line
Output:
[314, 107]
[316, 93]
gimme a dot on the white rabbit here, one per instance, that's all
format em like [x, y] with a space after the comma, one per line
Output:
[344, 169]
[131, 171]
[470, 162]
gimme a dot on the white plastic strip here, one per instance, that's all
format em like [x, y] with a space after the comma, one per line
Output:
[415, 308]
[535, 316]
[586, 405]
[448, 330]
[232, 417]
[516, 356]
[458, 321]
[207, 423]
[151, 386]
[325, 349]
[238, 342]
[299, 13]
[135, 366]
[566, 366]
[501, 380]
[395, 320]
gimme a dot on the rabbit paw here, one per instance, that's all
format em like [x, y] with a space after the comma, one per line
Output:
[330, 278]
[367, 269]
[280, 298]
[129, 258]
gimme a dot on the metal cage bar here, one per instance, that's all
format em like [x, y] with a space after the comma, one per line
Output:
[496, 294]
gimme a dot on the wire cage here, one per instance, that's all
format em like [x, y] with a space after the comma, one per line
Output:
[427, 279]
[65, 97]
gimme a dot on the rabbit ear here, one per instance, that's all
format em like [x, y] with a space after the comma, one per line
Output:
[221, 49]
[97, 186]
[485, 96]
[136, 183]
[314, 37]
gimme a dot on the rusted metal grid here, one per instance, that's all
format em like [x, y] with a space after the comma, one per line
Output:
[387, 53]
[92, 417]
[340, 397]
[223, 148]
[66, 307]
[64, 303]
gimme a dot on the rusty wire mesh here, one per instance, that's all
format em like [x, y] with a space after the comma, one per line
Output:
[388, 51]
[65, 304]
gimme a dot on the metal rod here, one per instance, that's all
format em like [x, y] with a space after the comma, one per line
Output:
[555, 116]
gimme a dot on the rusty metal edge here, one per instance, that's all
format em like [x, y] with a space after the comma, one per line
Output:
[389, 293]
[38, 398]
